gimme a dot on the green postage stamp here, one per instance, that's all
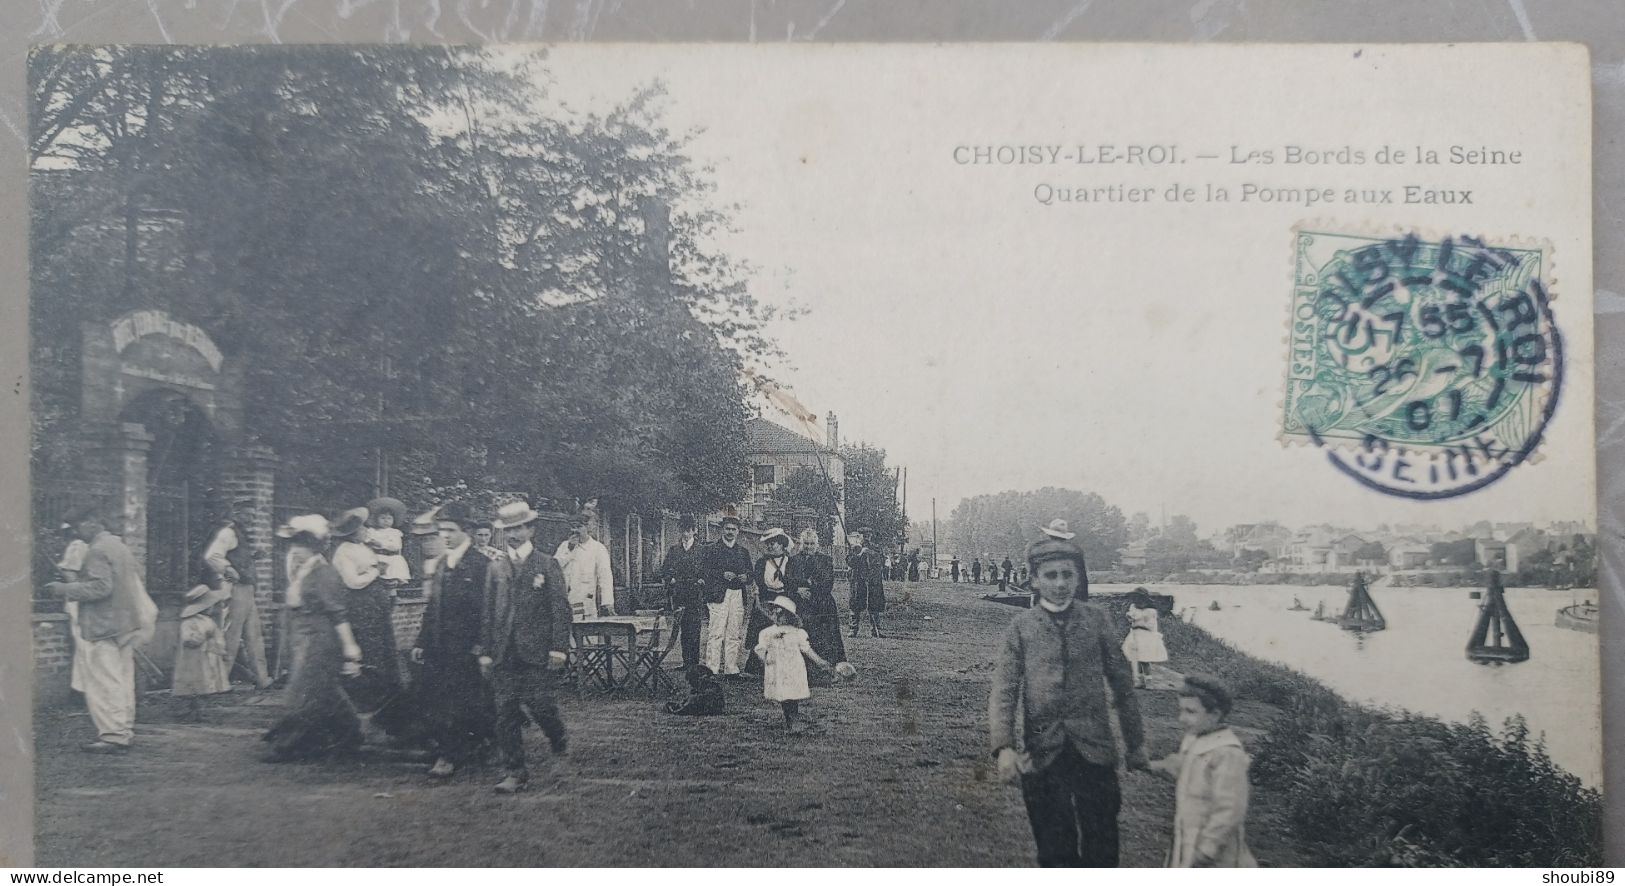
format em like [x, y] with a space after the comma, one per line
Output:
[1426, 367]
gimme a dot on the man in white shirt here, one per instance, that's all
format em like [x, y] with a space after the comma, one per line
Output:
[230, 557]
[585, 563]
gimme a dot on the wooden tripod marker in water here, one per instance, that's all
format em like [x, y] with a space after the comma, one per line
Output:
[1361, 613]
[1496, 638]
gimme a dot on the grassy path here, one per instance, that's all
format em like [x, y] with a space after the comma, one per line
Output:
[894, 772]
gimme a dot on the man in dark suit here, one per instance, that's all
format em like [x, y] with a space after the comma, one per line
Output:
[681, 573]
[524, 641]
[448, 646]
[868, 581]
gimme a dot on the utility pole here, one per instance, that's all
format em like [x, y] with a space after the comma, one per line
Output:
[933, 532]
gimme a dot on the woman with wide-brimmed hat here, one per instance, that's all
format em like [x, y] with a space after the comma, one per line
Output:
[773, 579]
[321, 719]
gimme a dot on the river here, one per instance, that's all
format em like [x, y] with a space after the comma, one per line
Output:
[1419, 662]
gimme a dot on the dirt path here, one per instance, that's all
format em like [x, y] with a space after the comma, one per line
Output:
[894, 772]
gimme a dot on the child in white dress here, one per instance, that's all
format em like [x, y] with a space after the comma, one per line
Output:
[1143, 645]
[200, 659]
[783, 649]
[385, 541]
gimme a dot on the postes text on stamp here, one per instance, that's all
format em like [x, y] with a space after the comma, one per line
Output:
[1426, 368]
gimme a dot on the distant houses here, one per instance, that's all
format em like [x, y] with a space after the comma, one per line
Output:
[1511, 547]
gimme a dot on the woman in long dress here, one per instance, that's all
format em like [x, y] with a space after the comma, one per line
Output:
[813, 576]
[1143, 645]
[321, 719]
[370, 600]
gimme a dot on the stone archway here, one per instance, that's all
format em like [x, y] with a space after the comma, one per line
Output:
[141, 374]
[162, 410]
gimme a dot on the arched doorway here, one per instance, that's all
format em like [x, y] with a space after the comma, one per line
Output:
[184, 497]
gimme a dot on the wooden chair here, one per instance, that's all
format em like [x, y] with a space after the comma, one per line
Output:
[599, 648]
[649, 662]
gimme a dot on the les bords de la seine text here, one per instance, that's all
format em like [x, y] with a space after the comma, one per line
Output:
[1127, 156]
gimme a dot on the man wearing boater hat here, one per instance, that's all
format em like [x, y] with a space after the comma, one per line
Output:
[524, 641]
[1056, 661]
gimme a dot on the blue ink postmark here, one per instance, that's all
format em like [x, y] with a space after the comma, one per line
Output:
[1424, 368]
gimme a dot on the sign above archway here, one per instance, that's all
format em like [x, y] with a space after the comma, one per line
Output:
[147, 350]
[154, 345]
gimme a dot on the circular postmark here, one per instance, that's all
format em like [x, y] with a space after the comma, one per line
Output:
[1424, 368]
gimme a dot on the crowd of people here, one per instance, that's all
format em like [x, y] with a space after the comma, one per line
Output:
[496, 638]
[1002, 573]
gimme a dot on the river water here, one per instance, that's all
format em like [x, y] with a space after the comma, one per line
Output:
[1419, 663]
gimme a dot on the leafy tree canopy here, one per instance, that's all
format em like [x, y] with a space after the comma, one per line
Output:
[405, 253]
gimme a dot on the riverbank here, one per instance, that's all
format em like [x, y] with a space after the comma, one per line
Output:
[894, 772]
[1366, 786]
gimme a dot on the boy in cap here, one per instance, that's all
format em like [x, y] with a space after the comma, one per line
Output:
[868, 573]
[1210, 769]
[1057, 660]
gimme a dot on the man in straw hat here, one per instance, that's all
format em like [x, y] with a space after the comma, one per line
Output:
[726, 569]
[585, 563]
[115, 616]
[1056, 661]
[229, 558]
[524, 641]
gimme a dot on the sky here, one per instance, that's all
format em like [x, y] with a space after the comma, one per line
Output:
[989, 342]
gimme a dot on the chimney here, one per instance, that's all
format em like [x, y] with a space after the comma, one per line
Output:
[833, 436]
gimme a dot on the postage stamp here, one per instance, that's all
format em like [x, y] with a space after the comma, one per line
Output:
[1426, 368]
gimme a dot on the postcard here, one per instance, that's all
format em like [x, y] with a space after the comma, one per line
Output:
[814, 455]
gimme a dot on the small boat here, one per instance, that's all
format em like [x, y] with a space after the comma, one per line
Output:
[1320, 612]
[1214, 606]
[1579, 617]
[1496, 638]
[1297, 606]
[1025, 601]
[1361, 613]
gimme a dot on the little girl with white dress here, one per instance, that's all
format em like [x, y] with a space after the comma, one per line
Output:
[784, 649]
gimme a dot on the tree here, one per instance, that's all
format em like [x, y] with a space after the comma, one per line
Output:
[1371, 552]
[533, 304]
[1139, 526]
[1005, 523]
[871, 494]
[1454, 553]
[1181, 532]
